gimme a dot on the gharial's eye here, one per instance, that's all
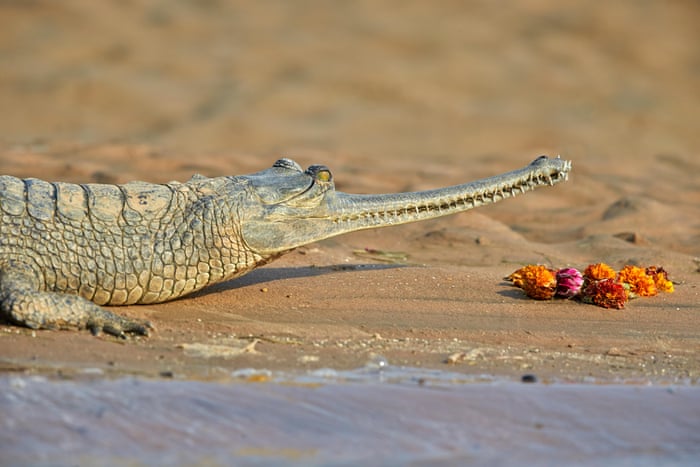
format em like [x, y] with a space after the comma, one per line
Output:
[320, 172]
[324, 176]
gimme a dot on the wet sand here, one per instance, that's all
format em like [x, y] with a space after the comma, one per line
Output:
[365, 423]
[391, 99]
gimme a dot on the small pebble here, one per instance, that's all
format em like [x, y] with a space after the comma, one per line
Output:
[529, 378]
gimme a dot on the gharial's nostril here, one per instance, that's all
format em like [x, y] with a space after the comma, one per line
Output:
[285, 163]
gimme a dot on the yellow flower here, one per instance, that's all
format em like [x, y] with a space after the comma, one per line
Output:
[538, 282]
[640, 283]
[660, 278]
[598, 272]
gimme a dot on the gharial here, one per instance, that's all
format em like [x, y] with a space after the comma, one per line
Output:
[66, 249]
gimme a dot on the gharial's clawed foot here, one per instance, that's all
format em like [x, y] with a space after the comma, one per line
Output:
[48, 310]
[118, 326]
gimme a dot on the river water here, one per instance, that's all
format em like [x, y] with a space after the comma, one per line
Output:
[372, 416]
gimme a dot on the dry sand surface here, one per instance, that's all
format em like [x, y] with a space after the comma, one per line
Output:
[393, 96]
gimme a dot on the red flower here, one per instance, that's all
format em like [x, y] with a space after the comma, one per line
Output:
[605, 293]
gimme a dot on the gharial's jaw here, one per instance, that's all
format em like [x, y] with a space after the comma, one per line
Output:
[284, 227]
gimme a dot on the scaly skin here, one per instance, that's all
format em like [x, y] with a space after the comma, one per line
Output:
[66, 249]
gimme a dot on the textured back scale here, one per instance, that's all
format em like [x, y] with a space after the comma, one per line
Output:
[80, 236]
[111, 244]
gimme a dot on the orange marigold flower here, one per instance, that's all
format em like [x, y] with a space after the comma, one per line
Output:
[598, 272]
[640, 283]
[605, 293]
[660, 278]
[538, 282]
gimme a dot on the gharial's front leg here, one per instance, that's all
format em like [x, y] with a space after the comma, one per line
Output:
[23, 303]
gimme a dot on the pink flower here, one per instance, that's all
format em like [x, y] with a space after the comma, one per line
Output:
[569, 281]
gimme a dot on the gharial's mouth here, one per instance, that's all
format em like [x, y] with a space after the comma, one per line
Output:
[392, 208]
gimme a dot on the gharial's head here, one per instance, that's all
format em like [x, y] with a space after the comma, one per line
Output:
[291, 207]
[286, 186]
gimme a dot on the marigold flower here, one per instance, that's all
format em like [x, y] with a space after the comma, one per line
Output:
[660, 278]
[526, 273]
[640, 283]
[518, 277]
[605, 293]
[569, 281]
[538, 282]
[598, 272]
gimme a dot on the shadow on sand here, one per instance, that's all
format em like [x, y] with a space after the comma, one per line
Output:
[267, 274]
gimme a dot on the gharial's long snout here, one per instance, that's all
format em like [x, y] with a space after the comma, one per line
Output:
[339, 213]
